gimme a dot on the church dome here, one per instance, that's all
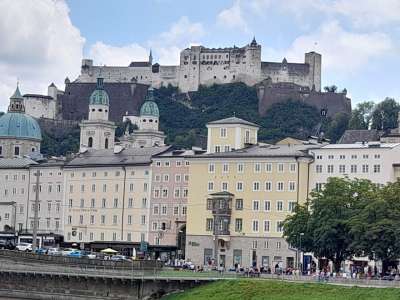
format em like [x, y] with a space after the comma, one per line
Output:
[99, 95]
[149, 107]
[19, 125]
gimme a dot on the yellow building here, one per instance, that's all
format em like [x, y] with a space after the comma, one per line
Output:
[229, 134]
[238, 200]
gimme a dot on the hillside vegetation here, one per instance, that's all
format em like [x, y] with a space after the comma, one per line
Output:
[183, 117]
[278, 290]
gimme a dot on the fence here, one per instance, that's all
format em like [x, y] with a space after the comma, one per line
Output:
[81, 262]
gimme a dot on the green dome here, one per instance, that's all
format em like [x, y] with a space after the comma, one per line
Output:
[99, 95]
[19, 125]
[149, 108]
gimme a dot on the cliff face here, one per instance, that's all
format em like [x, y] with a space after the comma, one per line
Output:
[269, 93]
[124, 97]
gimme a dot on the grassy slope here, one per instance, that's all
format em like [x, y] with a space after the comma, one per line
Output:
[275, 290]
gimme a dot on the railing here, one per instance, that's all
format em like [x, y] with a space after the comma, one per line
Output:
[83, 261]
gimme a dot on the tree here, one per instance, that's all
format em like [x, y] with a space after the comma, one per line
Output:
[376, 228]
[325, 220]
[337, 126]
[361, 116]
[331, 89]
[385, 115]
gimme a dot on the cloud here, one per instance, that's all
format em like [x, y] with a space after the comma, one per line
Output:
[117, 56]
[39, 45]
[232, 17]
[166, 46]
[341, 50]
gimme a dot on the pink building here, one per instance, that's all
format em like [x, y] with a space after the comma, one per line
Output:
[170, 177]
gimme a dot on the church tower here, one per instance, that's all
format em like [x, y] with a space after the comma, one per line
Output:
[98, 132]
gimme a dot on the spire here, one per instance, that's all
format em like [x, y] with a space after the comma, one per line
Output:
[16, 102]
[253, 42]
[151, 57]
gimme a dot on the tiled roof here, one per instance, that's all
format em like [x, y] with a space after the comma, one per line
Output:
[233, 120]
[15, 163]
[364, 135]
[131, 156]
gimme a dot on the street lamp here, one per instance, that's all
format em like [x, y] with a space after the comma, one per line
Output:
[299, 252]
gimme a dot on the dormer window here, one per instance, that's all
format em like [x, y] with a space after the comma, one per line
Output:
[100, 110]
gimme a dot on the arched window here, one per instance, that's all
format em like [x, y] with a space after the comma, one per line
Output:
[106, 143]
[90, 142]
[33, 149]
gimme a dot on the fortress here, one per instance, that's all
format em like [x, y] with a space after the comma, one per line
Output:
[207, 66]
[127, 85]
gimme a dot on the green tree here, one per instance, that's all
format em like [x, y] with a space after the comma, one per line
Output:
[361, 116]
[385, 114]
[375, 228]
[337, 126]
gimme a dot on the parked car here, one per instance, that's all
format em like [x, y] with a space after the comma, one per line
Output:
[7, 244]
[67, 251]
[118, 257]
[89, 255]
[23, 247]
[54, 251]
[75, 253]
[41, 251]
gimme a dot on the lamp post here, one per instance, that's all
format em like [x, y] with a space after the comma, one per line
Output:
[299, 252]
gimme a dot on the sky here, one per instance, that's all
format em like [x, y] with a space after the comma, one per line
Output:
[43, 41]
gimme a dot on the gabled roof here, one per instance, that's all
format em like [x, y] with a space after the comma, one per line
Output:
[131, 156]
[233, 120]
[359, 136]
[15, 163]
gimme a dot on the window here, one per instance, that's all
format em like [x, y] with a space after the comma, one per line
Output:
[69, 203]
[186, 177]
[176, 210]
[292, 206]
[365, 156]
[116, 188]
[256, 205]
[158, 163]
[342, 156]
[82, 188]
[211, 168]
[184, 210]
[91, 236]
[16, 150]
[156, 193]
[257, 168]
[279, 226]
[177, 192]
[353, 168]
[93, 188]
[81, 219]
[90, 142]
[319, 186]
[185, 192]
[279, 186]
[104, 188]
[377, 168]
[292, 186]
[224, 186]
[129, 237]
[129, 219]
[178, 178]
[82, 203]
[292, 168]
[166, 178]
[255, 226]
[238, 225]
[92, 219]
[365, 168]
[278, 245]
[103, 203]
[267, 205]
[239, 204]
[240, 168]
[222, 132]
[116, 203]
[268, 186]
[225, 168]
[331, 157]
[342, 169]
[377, 156]
[145, 187]
[167, 163]
[268, 167]
[178, 163]
[165, 192]
[266, 244]
[164, 210]
[280, 167]
[318, 168]
[256, 186]
[130, 202]
[239, 186]
[209, 224]
[49, 206]
[154, 226]
[114, 236]
[131, 187]
[279, 205]
[254, 244]
[143, 220]
[144, 202]
[70, 220]
[330, 169]
[266, 226]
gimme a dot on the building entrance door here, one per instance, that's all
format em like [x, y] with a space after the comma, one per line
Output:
[222, 260]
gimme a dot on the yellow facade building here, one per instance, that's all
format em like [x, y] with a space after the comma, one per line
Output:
[238, 200]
